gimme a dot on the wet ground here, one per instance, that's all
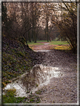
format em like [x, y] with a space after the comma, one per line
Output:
[62, 88]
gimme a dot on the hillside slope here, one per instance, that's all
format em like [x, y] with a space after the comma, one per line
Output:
[16, 59]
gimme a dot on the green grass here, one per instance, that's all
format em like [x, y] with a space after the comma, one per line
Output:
[9, 97]
[32, 43]
[40, 42]
[37, 41]
[16, 61]
[59, 43]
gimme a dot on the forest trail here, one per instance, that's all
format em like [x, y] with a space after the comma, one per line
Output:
[61, 89]
[45, 46]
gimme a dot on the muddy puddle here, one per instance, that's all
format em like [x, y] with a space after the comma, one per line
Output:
[34, 80]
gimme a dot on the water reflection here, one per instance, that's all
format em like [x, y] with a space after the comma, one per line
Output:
[37, 77]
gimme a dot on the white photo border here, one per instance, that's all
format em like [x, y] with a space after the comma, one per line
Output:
[78, 33]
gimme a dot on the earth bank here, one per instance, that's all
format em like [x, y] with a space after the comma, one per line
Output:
[18, 58]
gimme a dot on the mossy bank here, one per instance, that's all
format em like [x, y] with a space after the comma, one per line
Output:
[17, 58]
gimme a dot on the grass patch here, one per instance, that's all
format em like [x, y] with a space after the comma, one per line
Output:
[55, 43]
[9, 97]
[59, 43]
[51, 42]
[33, 99]
[16, 60]
[39, 41]
[32, 43]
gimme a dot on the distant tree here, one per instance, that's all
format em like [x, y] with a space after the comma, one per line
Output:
[68, 24]
[16, 23]
[8, 22]
[4, 14]
[53, 32]
[41, 34]
[35, 14]
[46, 16]
[5, 20]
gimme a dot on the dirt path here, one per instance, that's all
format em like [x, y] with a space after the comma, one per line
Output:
[46, 46]
[62, 89]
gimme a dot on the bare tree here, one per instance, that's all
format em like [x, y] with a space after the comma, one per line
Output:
[68, 24]
[35, 13]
